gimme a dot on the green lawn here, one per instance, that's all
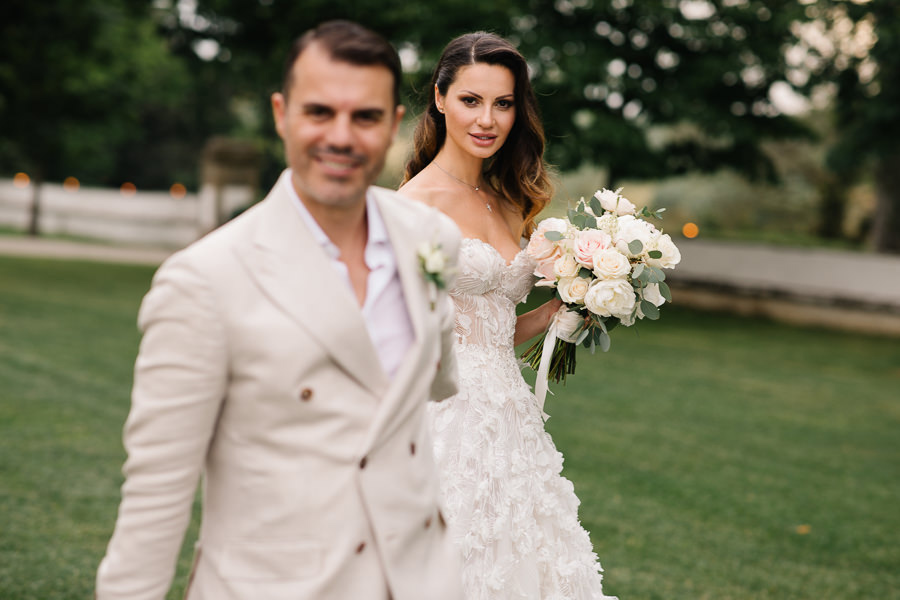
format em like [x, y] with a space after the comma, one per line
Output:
[716, 457]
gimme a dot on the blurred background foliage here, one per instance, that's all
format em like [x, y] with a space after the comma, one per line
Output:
[752, 117]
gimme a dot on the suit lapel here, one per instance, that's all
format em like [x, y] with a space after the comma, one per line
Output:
[295, 273]
[395, 404]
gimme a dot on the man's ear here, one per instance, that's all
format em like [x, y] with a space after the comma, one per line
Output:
[278, 106]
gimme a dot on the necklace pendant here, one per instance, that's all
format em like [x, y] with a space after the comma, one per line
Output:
[490, 210]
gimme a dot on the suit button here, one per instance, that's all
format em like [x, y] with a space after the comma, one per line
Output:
[362, 463]
[412, 448]
[427, 522]
[360, 548]
[306, 394]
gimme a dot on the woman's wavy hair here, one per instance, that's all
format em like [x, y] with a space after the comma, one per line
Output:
[517, 171]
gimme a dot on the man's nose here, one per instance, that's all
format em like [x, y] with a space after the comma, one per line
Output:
[340, 133]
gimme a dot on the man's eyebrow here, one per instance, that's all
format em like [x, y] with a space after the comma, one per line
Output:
[369, 112]
[317, 106]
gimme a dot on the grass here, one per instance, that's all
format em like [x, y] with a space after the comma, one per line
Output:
[716, 457]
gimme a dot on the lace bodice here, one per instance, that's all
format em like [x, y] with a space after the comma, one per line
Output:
[486, 292]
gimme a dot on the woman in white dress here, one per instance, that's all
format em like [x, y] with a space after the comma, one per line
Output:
[478, 157]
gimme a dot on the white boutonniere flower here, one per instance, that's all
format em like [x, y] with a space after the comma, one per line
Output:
[433, 262]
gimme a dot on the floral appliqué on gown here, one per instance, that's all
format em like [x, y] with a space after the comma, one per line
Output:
[510, 511]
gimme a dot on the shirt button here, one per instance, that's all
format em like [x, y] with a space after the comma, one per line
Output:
[306, 394]
[427, 522]
[412, 448]
[362, 463]
[360, 548]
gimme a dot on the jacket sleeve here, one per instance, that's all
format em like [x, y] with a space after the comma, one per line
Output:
[179, 385]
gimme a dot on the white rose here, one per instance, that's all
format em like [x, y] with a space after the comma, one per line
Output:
[573, 289]
[629, 229]
[609, 263]
[435, 262]
[671, 256]
[566, 266]
[610, 298]
[614, 203]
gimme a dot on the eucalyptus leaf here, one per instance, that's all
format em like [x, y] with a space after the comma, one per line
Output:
[596, 206]
[660, 276]
[637, 271]
[572, 214]
[583, 336]
[605, 342]
[553, 236]
[635, 246]
[664, 291]
[650, 310]
[654, 254]
[585, 273]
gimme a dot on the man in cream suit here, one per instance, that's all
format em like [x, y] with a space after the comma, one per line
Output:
[288, 356]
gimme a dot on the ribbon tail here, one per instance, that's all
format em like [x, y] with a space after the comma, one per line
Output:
[541, 381]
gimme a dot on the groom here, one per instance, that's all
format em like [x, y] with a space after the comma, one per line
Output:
[288, 357]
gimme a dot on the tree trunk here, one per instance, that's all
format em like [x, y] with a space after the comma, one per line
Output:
[833, 208]
[886, 220]
[34, 213]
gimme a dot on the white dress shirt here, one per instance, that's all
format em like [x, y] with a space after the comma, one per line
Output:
[384, 309]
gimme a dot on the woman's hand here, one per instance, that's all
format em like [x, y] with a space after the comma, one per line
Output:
[535, 321]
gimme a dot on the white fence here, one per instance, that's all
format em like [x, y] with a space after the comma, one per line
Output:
[143, 218]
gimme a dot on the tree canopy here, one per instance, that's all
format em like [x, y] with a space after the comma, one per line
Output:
[645, 88]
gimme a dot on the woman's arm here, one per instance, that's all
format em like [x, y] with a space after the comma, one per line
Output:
[535, 321]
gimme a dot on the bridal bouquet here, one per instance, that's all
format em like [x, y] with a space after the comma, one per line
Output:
[606, 263]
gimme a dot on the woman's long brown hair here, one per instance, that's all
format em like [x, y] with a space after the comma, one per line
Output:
[517, 171]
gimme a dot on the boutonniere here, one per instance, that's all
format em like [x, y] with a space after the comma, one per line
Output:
[433, 262]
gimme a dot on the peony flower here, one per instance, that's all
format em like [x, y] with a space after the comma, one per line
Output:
[587, 242]
[629, 229]
[573, 289]
[613, 202]
[609, 263]
[610, 298]
[671, 256]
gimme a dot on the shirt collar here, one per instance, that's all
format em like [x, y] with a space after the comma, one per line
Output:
[377, 232]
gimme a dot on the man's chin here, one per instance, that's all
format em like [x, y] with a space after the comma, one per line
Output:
[338, 194]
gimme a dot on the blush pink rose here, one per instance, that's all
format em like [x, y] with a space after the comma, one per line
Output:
[547, 272]
[587, 243]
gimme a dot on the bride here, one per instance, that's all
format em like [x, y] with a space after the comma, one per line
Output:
[478, 158]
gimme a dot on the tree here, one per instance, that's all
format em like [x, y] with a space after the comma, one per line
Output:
[644, 88]
[76, 78]
[857, 45]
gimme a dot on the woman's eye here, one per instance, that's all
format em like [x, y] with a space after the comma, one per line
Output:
[505, 103]
[469, 101]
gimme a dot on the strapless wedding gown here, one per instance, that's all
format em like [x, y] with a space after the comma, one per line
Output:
[513, 516]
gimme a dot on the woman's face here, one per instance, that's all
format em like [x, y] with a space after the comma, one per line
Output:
[479, 108]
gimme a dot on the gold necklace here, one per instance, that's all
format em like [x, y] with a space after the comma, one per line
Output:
[465, 183]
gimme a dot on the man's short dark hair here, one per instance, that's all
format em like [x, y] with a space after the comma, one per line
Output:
[348, 42]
